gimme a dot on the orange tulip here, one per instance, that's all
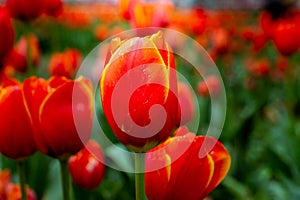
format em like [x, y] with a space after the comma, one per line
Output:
[192, 167]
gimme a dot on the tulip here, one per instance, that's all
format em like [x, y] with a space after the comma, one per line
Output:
[151, 14]
[285, 36]
[14, 192]
[53, 7]
[24, 9]
[185, 167]
[65, 63]
[11, 191]
[16, 138]
[63, 120]
[17, 58]
[139, 73]
[86, 167]
[6, 33]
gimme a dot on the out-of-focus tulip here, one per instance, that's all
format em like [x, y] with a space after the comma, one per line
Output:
[24, 9]
[10, 191]
[54, 105]
[151, 14]
[197, 21]
[139, 73]
[211, 84]
[125, 7]
[190, 167]
[285, 36]
[86, 167]
[65, 63]
[53, 7]
[258, 67]
[17, 57]
[186, 103]
[16, 138]
[220, 40]
[6, 33]
[5, 179]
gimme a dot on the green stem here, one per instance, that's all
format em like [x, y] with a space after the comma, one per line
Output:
[21, 171]
[65, 179]
[139, 176]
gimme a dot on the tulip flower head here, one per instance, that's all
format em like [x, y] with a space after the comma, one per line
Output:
[185, 167]
[54, 109]
[138, 90]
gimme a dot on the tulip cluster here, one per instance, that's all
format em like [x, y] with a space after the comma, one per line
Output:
[179, 161]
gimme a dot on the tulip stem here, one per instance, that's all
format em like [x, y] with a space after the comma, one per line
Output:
[139, 176]
[22, 179]
[65, 179]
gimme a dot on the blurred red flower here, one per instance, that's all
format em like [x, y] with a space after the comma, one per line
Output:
[10, 191]
[192, 166]
[86, 167]
[53, 7]
[65, 63]
[151, 14]
[57, 106]
[24, 9]
[142, 71]
[17, 57]
[16, 138]
[6, 33]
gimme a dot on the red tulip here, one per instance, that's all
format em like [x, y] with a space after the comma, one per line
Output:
[86, 167]
[285, 36]
[186, 103]
[64, 64]
[54, 106]
[16, 138]
[140, 73]
[189, 167]
[24, 9]
[53, 7]
[259, 67]
[17, 57]
[6, 33]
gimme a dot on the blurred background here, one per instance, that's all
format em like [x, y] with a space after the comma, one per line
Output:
[255, 45]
